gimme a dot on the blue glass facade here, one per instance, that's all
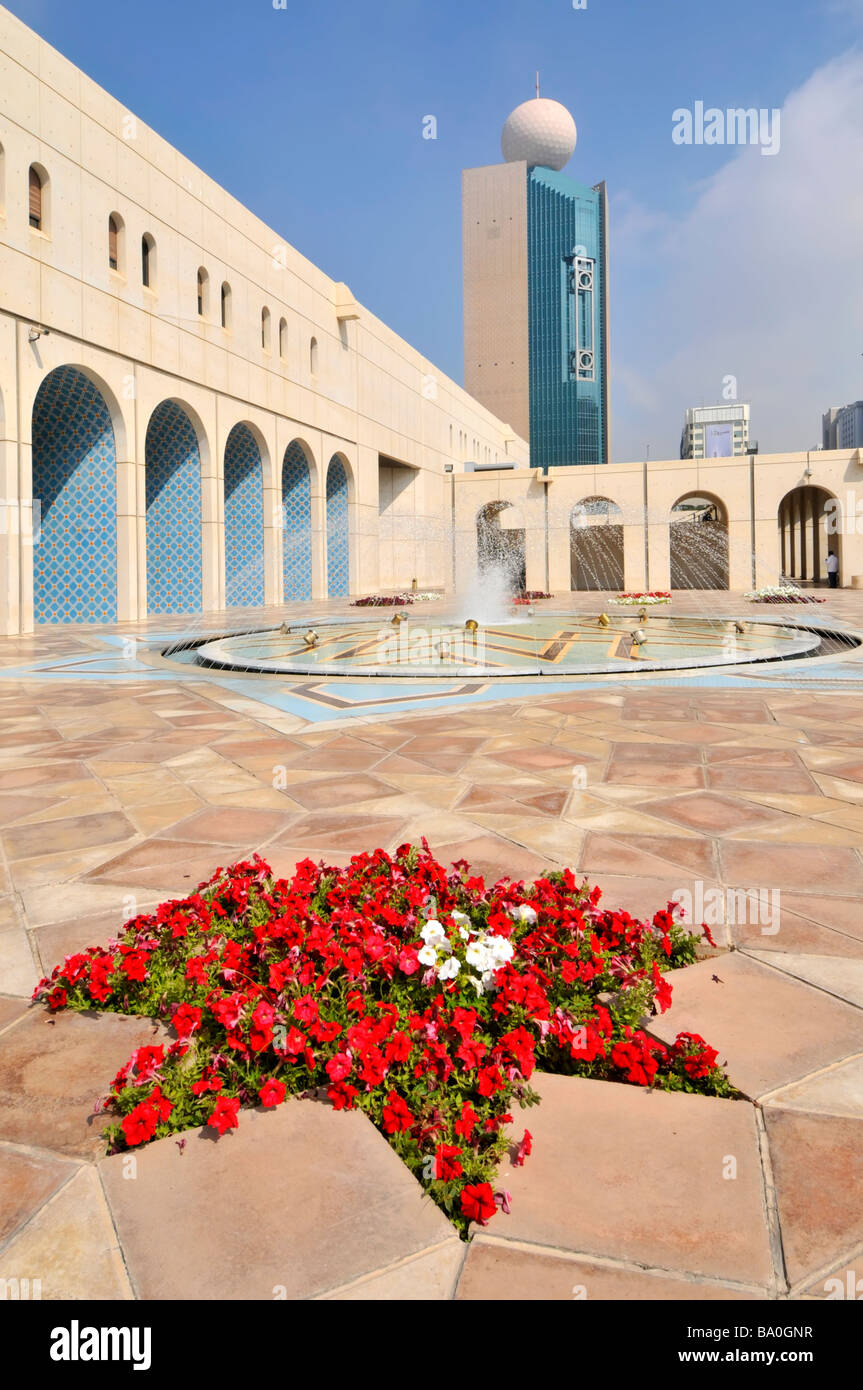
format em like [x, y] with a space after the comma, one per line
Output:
[567, 328]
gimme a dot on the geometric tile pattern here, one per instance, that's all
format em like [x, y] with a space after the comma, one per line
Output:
[296, 524]
[338, 543]
[75, 481]
[244, 520]
[173, 488]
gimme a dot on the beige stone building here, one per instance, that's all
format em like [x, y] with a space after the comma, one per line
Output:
[201, 419]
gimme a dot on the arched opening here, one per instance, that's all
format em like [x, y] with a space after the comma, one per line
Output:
[244, 520]
[313, 357]
[265, 329]
[173, 500]
[283, 339]
[203, 288]
[225, 307]
[75, 486]
[698, 543]
[148, 262]
[596, 545]
[37, 193]
[338, 537]
[296, 524]
[500, 544]
[115, 242]
[810, 526]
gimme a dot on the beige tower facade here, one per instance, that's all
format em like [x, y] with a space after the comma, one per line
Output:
[496, 341]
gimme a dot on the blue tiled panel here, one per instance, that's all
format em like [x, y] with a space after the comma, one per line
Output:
[173, 512]
[244, 520]
[338, 543]
[296, 524]
[75, 483]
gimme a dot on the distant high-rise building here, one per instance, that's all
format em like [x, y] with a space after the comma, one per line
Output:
[536, 291]
[715, 431]
[843, 428]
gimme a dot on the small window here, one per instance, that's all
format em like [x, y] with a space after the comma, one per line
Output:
[226, 305]
[265, 329]
[203, 289]
[313, 357]
[283, 339]
[115, 227]
[148, 261]
[36, 183]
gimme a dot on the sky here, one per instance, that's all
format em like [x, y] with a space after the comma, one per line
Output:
[724, 263]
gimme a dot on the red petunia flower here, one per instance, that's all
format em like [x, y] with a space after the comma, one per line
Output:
[524, 1149]
[477, 1202]
[447, 1164]
[141, 1124]
[186, 1019]
[224, 1114]
[342, 1095]
[339, 1067]
[468, 1122]
[396, 1115]
[272, 1092]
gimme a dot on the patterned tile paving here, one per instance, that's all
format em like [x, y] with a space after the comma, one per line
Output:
[296, 524]
[74, 480]
[244, 520]
[173, 497]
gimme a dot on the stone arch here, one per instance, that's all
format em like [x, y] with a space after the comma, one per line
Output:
[810, 523]
[698, 542]
[338, 527]
[596, 545]
[500, 548]
[75, 486]
[173, 517]
[297, 522]
[244, 519]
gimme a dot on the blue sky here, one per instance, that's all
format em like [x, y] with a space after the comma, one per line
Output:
[312, 116]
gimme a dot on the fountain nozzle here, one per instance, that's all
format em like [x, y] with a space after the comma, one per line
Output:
[604, 620]
[310, 638]
[472, 625]
[639, 637]
[397, 619]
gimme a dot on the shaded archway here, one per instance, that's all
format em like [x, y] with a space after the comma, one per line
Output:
[173, 501]
[698, 542]
[500, 544]
[338, 537]
[244, 520]
[296, 523]
[595, 545]
[75, 487]
[810, 524]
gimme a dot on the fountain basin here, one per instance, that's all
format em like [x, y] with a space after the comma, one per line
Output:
[546, 645]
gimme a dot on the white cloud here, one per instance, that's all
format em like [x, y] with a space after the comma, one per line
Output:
[762, 280]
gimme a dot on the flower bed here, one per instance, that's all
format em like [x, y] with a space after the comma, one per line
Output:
[422, 998]
[529, 595]
[781, 593]
[395, 600]
[642, 600]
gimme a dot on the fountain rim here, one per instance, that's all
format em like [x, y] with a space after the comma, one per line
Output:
[809, 638]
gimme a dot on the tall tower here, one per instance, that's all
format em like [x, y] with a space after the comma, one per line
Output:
[536, 290]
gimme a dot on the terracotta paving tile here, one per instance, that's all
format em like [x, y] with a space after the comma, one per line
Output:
[843, 914]
[500, 1272]
[57, 940]
[536, 759]
[711, 812]
[230, 827]
[52, 837]
[745, 777]
[604, 854]
[18, 779]
[637, 1176]
[53, 1070]
[796, 934]
[26, 1181]
[837, 1091]
[17, 807]
[754, 757]
[11, 1009]
[332, 793]
[70, 1246]
[493, 857]
[806, 868]
[769, 1028]
[318, 1199]
[331, 830]
[837, 975]
[817, 1165]
[432, 1275]
[662, 754]
[845, 1282]
[628, 772]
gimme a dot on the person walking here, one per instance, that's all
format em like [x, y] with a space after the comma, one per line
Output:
[832, 569]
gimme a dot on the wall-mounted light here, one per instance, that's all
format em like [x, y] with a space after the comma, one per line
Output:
[36, 333]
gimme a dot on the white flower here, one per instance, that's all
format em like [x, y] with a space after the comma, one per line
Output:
[433, 933]
[449, 969]
[464, 933]
[475, 954]
[427, 956]
[461, 919]
[499, 950]
[524, 914]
